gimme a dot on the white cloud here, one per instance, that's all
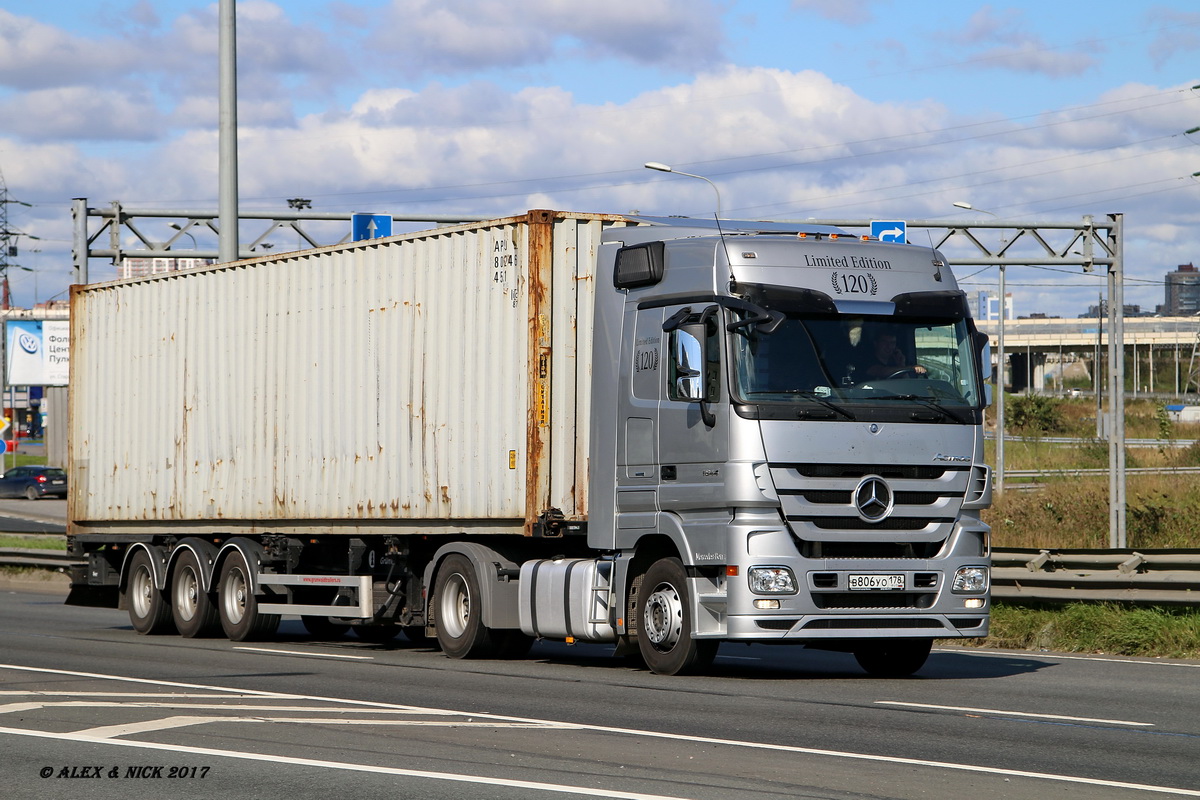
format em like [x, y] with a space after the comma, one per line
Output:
[428, 37]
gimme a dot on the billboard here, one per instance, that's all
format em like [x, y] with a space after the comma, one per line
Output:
[38, 352]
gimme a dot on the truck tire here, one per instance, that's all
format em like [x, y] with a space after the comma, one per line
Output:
[194, 612]
[149, 610]
[893, 658]
[665, 622]
[458, 613]
[240, 618]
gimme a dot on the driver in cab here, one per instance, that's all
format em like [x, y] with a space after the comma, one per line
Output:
[887, 360]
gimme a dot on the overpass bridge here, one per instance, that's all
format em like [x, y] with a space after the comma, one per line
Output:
[1162, 354]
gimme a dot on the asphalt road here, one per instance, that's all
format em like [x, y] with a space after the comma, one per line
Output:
[90, 709]
[18, 515]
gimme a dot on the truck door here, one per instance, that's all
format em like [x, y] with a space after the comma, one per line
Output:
[693, 437]
[637, 435]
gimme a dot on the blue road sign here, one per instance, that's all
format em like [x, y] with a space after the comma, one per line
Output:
[889, 230]
[370, 226]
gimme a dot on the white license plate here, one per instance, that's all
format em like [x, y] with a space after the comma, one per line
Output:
[57, 483]
[869, 582]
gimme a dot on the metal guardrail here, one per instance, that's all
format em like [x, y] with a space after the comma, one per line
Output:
[57, 560]
[1143, 577]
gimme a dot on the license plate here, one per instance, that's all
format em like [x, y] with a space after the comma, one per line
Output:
[874, 582]
[57, 483]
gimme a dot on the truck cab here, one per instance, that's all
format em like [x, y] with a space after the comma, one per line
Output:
[787, 443]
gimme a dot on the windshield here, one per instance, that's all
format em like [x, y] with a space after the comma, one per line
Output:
[856, 361]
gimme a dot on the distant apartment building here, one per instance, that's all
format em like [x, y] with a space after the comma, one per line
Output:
[141, 267]
[1182, 292]
[987, 306]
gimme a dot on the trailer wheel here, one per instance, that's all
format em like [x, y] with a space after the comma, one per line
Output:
[240, 617]
[458, 612]
[149, 610]
[193, 609]
[893, 658]
[665, 622]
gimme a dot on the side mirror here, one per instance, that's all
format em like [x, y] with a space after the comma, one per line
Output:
[689, 362]
[984, 344]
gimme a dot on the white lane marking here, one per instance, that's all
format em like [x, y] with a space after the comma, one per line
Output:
[221, 707]
[307, 653]
[948, 765]
[171, 695]
[309, 762]
[966, 651]
[166, 723]
[1012, 713]
[169, 723]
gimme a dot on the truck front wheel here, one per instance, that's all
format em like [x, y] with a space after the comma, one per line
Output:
[458, 611]
[240, 617]
[194, 611]
[665, 622]
[893, 658]
[149, 610]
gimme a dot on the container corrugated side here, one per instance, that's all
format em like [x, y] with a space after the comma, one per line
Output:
[426, 382]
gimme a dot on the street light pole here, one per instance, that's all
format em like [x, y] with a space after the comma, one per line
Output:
[660, 167]
[999, 484]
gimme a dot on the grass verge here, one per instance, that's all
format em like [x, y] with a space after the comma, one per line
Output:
[1094, 628]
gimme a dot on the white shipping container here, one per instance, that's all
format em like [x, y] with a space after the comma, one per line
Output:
[436, 380]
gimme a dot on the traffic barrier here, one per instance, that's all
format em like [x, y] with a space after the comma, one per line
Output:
[1143, 577]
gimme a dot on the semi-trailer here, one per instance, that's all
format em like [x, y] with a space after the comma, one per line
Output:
[661, 433]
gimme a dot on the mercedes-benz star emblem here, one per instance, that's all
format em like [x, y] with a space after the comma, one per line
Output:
[873, 499]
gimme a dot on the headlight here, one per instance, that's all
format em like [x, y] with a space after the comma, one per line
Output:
[970, 580]
[772, 580]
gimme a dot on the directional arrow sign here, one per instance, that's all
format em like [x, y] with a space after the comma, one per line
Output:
[370, 226]
[889, 230]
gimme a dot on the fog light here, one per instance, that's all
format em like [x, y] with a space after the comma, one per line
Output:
[772, 580]
[766, 604]
[970, 580]
[973, 602]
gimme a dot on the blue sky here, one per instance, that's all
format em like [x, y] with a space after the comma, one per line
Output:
[800, 109]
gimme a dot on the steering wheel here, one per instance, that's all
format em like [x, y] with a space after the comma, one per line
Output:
[910, 372]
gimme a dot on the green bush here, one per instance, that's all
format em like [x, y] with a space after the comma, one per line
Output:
[1035, 413]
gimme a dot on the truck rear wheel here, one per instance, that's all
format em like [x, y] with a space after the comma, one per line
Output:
[149, 610]
[194, 612]
[240, 617]
[893, 658]
[458, 611]
[665, 622]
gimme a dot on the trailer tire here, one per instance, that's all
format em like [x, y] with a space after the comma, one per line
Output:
[149, 611]
[893, 658]
[194, 612]
[665, 622]
[458, 611]
[240, 618]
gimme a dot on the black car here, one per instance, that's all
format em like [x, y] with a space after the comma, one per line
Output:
[33, 483]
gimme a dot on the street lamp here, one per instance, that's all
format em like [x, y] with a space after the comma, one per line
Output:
[660, 167]
[185, 232]
[999, 361]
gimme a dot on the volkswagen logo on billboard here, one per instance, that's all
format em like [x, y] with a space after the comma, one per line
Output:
[873, 498]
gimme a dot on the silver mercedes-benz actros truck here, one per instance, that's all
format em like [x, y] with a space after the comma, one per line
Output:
[663, 433]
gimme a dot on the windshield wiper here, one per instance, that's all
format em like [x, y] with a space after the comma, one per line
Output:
[928, 403]
[832, 406]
